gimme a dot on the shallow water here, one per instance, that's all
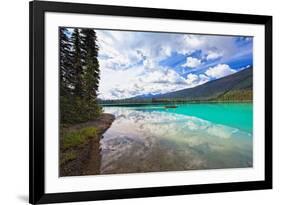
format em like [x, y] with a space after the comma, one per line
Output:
[191, 136]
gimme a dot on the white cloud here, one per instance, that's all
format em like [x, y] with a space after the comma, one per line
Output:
[162, 76]
[194, 41]
[149, 64]
[120, 49]
[130, 62]
[140, 81]
[213, 55]
[204, 78]
[113, 82]
[191, 78]
[195, 79]
[115, 49]
[186, 45]
[192, 62]
[219, 71]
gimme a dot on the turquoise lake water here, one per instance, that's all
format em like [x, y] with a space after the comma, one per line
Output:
[190, 137]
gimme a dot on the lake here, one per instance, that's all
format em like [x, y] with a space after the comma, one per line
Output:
[151, 138]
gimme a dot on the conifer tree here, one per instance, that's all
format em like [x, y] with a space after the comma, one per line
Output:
[79, 75]
[92, 72]
[66, 69]
[77, 62]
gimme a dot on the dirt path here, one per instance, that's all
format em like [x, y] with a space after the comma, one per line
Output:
[88, 158]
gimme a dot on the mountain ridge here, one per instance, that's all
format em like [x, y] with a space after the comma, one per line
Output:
[234, 87]
[239, 81]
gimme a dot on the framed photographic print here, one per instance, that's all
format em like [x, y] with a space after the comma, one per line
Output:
[140, 102]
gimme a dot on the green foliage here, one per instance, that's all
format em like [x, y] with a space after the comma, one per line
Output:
[66, 61]
[92, 72]
[76, 109]
[79, 76]
[76, 138]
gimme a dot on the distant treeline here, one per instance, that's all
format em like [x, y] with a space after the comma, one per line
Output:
[79, 75]
[237, 95]
[231, 96]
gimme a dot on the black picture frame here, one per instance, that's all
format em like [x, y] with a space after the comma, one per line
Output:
[37, 9]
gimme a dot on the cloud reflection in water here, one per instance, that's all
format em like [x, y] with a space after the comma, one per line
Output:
[146, 141]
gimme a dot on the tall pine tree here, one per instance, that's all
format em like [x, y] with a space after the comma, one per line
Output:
[77, 62]
[79, 75]
[92, 72]
[66, 69]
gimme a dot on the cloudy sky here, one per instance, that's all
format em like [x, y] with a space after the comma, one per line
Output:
[141, 63]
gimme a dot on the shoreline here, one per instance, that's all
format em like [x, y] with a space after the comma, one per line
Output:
[175, 102]
[82, 157]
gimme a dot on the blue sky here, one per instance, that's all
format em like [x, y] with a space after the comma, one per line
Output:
[140, 63]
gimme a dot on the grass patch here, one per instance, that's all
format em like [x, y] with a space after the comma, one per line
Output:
[79, 137]
[68, 156]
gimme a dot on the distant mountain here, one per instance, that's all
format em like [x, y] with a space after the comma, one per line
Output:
[145, 96]
[237, 86]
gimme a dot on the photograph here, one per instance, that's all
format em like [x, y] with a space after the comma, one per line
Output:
[133, 101]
